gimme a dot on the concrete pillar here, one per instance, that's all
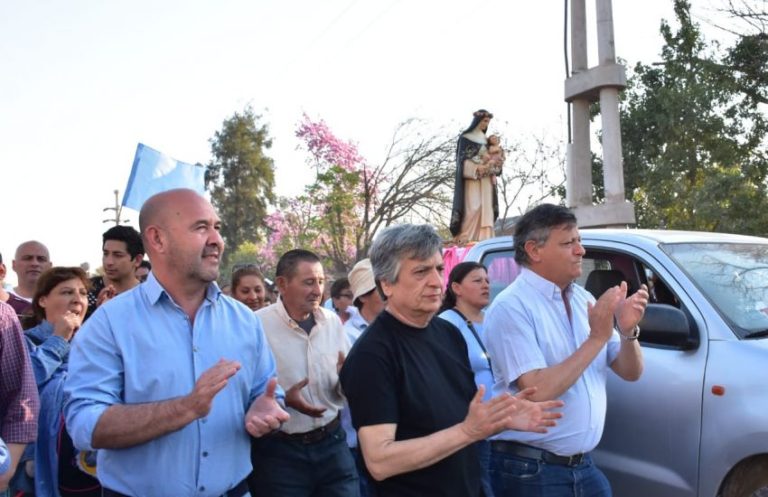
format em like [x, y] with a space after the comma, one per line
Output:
[606, 51]
[579, 171]
[585, 85]
[578, 36]
[613, 163]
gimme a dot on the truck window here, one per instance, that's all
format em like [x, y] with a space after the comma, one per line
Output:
[502, 269]
[733, 277]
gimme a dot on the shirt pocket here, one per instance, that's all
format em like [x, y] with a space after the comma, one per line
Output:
[326, 375]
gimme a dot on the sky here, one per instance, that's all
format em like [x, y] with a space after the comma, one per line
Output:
[83, 81]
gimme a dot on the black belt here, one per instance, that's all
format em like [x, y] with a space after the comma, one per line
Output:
[238, 490]
[313, 436]
[538, 454]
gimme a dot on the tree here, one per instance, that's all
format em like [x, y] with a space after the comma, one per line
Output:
[332, 202]
[241, 178]
[750, 15]
[412, 183]
[694, 153]
[246, 253]
[350, 199]
[748, 58]
[532, 173]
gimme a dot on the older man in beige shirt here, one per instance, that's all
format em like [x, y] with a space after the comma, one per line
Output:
[308, 456]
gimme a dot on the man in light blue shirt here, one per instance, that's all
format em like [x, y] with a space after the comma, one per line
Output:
[169, 379]
[544, 331]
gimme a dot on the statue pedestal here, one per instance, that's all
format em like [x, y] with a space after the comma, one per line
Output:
[608, 215]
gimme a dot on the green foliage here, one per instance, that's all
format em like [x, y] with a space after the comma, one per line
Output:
[693, 135]
[291, 227]
[246, 253]
[241, 178]
[338, 190]
[324, 219]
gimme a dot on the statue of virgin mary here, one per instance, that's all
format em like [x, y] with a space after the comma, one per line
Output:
[475, 201]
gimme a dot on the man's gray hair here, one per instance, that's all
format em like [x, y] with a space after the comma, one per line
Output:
[399, 242]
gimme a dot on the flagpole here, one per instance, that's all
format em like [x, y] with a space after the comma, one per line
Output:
[118, 211]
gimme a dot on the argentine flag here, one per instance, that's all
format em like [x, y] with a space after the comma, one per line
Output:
[154, 172]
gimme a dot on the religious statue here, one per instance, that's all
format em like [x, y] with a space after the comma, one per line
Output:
[479, 159]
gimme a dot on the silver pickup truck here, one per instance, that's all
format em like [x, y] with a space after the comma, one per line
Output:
[696, 423]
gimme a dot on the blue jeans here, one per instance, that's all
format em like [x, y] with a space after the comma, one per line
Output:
[512, 475]
[289, 468]
[362, 472]
[484, 452]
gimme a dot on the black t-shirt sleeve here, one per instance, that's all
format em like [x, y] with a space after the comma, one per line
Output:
[368, 380]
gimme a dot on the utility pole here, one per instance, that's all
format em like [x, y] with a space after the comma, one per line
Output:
[585, 85]
[118, 212]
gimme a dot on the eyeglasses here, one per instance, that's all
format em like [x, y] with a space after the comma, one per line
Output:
[244, 265]
[346, 294]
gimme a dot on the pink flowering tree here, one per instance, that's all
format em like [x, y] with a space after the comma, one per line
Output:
[351, 198]
[291, 226]
[333, 200]
[325, 148]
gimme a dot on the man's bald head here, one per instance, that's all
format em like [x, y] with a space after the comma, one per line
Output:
[31, 260]
[159, 207]
[32, 246]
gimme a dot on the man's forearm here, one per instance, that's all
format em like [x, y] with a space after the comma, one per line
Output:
[390, 458]
[629, 362]
[554, 381]
[16, 451]
[122, 426]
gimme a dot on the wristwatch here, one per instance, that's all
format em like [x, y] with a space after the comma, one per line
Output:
[633, 335]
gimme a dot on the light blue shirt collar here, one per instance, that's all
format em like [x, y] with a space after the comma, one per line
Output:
[154, 290]
[544, 286]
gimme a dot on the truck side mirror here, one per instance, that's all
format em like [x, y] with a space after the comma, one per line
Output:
[668, 326]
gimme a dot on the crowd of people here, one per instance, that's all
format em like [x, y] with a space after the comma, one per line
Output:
[149, 381]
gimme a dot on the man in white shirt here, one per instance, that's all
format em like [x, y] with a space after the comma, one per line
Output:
[546, 331]
[308, 456]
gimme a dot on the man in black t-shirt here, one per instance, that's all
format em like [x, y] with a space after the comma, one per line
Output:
[409, 384]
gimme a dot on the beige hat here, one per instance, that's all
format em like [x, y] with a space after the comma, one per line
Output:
[361, 279]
